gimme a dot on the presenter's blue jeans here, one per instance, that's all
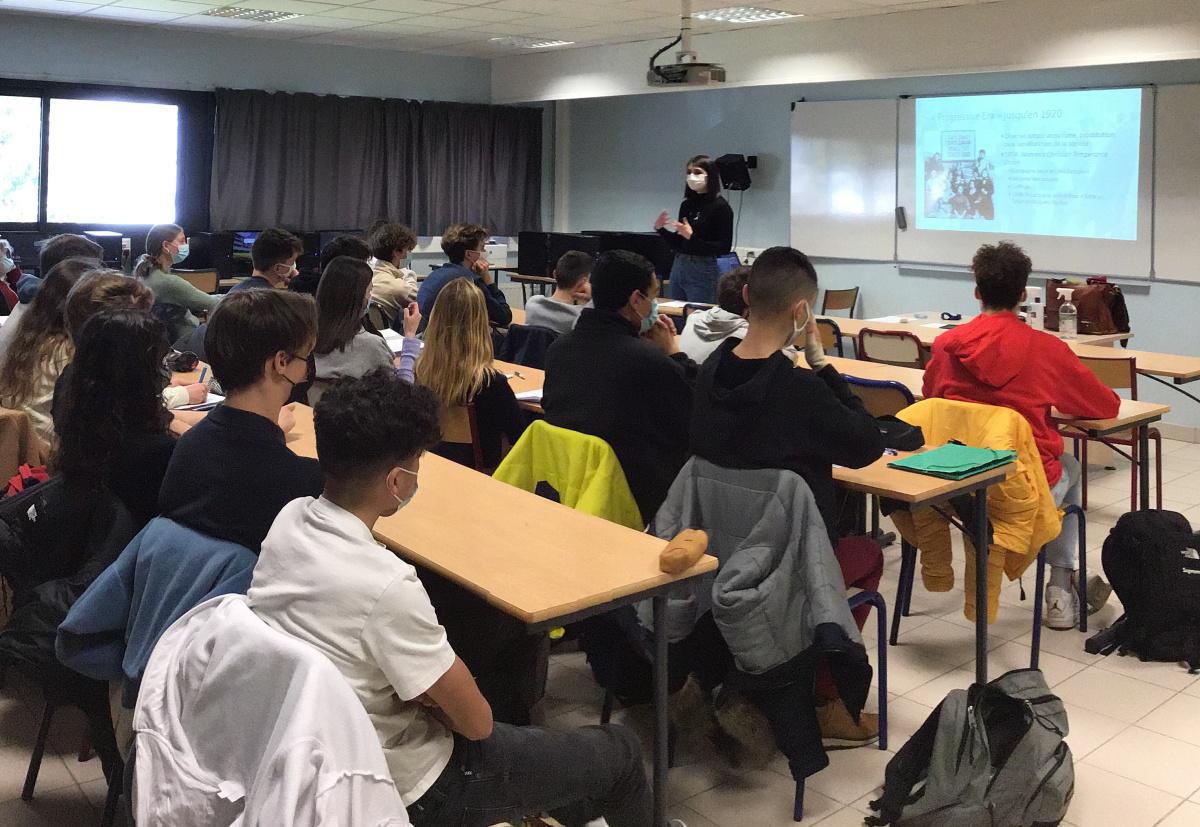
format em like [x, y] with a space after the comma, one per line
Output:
[694, 278]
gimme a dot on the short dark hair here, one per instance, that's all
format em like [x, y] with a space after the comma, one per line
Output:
[458, 238]
[729, 290]
[64, 246]
[370, 425]
[572, 268]
[780, 277]
[344, 245]
[274, 246]
[616, 274]
[1001, 273]
[251, 326]
[386, 240]
[100, 289]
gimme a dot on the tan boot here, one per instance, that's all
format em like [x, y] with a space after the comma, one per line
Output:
[838, 730]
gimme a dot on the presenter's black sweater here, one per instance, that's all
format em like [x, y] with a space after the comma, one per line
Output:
[605, 380]
[712, 228]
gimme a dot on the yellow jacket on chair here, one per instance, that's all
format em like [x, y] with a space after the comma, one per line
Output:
[583, 470]
[1021, 509]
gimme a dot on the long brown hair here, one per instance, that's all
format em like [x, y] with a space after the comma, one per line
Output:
[41, 343]
[340, 294]
[457, 357]
[159, 235]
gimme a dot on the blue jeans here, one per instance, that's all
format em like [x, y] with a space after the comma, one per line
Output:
[694, 278]
[578, 776]
[1063, 550]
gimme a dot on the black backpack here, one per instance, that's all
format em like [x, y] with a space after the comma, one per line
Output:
[1152, 559]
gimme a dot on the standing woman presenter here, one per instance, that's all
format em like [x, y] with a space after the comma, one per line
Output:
[703, 231]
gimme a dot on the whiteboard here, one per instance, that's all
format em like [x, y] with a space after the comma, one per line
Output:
[1061, 254]
[1177, 184]
[843, 194]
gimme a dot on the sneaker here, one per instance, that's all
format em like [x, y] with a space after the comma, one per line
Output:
[1062, 608]
[838, 730]
[1098, 593]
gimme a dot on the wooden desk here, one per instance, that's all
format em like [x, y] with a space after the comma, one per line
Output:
[1134, 415]
[518, 316]
[920, 490]
[520, 379]
[541, 562]
[540, 283]
[225, 285]
[920, 328]
[1179, 369]
[206, 281]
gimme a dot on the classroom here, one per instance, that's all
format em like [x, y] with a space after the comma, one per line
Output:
[648, 413]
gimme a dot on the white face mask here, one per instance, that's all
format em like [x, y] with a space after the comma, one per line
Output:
[402, 502]
[696, 182]
[798, 329]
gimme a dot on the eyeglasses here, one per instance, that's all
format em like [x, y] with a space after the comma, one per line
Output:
[180, 361]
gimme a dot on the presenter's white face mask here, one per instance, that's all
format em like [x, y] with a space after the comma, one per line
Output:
[697, 182]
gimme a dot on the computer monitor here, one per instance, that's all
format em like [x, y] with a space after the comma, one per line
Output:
[26, 246]
[326, 236]
[650, 245]
[243, 240]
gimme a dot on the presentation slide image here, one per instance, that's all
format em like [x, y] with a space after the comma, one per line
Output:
[1043, 163]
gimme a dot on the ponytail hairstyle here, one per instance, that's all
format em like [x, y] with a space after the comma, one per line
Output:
[159, 235]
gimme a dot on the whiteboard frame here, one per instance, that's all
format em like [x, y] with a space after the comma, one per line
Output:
[872, 236]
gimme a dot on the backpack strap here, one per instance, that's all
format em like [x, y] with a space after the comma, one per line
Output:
[904, 772]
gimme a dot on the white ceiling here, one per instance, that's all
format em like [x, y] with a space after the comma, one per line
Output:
[454, 27]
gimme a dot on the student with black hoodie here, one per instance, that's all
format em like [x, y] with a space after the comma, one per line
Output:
[755, 409]
[621, 376]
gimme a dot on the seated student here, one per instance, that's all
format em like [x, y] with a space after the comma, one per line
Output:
[463, 245]
[40, 349]
[393, 286]
[572, 289]
[166, 245]
[323, 579]
[98, 290]
[55, 249]
[755, 409]
[345, 349]
[273, 256]
[231, 473]
[996, 359]
[704, 330]
[620, 375]
[456, 364]
[110, 417]
[342, 245]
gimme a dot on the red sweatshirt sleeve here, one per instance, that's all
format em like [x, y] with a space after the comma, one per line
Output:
[1077, 391]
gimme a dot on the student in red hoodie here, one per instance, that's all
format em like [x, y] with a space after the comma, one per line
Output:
[996, 359]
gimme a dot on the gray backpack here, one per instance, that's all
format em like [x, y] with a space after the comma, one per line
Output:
[989, 756]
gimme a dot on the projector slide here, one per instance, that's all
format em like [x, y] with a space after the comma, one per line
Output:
[1042, 163]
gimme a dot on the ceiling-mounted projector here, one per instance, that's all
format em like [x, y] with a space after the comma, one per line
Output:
[687, 70]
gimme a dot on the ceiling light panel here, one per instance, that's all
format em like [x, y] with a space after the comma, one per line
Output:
[744, 14]
[528, 42]
[255, 15]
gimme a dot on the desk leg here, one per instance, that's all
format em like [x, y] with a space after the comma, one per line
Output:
[1143, 468]
[981, 588]
[661, 723]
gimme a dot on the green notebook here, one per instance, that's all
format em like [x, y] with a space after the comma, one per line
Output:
[953, 461]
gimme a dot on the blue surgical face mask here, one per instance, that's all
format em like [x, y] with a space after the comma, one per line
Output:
[180, 254]
[648, 322]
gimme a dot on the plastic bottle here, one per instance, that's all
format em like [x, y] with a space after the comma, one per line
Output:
[1034, 314]
[1068, 315]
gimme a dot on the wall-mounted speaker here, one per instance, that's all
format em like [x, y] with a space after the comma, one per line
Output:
[735, 171]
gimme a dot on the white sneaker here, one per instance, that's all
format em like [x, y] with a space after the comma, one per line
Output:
[1062, 608]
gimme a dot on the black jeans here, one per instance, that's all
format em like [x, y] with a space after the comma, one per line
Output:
[576, 776]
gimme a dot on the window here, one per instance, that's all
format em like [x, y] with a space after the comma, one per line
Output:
[20, 158]
[112, 162]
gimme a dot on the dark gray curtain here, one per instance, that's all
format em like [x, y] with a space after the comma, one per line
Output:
[314, 162]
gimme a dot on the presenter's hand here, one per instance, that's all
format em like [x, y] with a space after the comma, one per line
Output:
[684, 229]
[661, 221]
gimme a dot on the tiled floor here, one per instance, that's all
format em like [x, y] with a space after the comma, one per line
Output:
[1135, 727]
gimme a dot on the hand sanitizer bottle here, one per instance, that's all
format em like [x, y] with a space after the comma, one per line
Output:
[1068, 315]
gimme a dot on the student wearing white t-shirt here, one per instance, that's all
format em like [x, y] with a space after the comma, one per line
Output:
[322, 578]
